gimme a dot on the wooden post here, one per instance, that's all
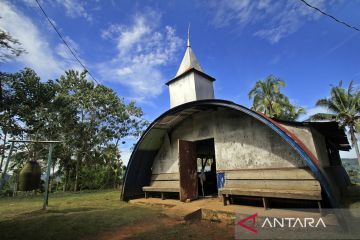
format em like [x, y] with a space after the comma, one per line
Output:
[265, 203]
[225, 199]
[46, 196]
[320, 209]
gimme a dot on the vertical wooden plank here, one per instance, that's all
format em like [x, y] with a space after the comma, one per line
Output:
[320, 208]
[225, 199]
[265, 203]
[187, 170]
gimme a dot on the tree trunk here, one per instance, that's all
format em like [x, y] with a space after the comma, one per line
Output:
[3, 149]
[119, 173]
[67, 174]
[65, 183]
[354, 142]
[77, 172]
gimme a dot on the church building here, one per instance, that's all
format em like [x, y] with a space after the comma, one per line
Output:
[207, 147]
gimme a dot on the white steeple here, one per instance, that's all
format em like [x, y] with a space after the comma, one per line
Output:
[190, 82]
[189, 60]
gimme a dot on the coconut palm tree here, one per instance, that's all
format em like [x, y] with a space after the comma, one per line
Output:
[268, 99]
[344, 107]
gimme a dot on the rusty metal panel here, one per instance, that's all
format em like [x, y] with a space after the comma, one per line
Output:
[187, 170]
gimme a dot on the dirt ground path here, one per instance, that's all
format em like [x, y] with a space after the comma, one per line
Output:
[204, 230]
[129, 231]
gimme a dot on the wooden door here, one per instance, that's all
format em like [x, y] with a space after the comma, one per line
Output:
[187, 171]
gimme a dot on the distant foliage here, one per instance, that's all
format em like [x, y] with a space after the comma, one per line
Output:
[352, 168]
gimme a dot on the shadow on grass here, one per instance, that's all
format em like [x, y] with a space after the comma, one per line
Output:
[72, 210]
[82, 223]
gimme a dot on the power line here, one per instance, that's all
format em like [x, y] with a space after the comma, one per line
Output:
[66, 44]
[330, 16]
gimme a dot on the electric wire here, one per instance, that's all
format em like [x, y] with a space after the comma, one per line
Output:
[64, 41]
[330, 16]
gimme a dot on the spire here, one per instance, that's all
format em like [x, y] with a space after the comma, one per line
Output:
[189, 60]
[190, 82]
[188, 37]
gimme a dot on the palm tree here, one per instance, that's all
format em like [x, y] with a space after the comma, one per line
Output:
[344, 107]
[268, 99]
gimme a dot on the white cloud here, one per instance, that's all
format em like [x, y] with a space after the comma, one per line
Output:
[125, 155]
[275, 60]
[46, 60]
[67, 59]
[340, 44]
[349, 154]
[143, 48]
[273, 20]
[32, 3]
[39, 55]
[312, 111]
[75, 8]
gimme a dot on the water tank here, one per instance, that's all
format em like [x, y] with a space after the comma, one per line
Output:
[30, 176]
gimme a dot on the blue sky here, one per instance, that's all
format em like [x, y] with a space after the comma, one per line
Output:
[135, 47]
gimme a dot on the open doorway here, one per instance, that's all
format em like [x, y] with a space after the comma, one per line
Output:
[197, 169]
[206, 167]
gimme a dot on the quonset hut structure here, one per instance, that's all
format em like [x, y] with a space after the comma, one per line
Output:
[205, 146]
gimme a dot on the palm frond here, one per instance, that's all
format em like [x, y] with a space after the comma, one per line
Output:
[322, 103]
[321, 116]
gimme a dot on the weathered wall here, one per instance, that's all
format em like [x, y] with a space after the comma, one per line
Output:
[203, 87]
[241, 142]
[320, 146]
[182, 90]
[190, 87]
[314, 141]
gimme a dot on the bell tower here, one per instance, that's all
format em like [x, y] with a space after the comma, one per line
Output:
[190, 83]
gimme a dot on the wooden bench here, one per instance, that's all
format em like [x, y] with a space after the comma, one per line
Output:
[163, 183]
[294, 183]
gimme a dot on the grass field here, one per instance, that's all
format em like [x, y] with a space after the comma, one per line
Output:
[101, 215]
[96, 215]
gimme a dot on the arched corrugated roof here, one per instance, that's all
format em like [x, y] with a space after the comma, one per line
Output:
[138, 172]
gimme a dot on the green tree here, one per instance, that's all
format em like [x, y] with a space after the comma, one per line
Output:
[8, 113]
[268, 99]
[9, 46]
[90, 120]
[99, 118]
[23, 98]
[344, 107]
